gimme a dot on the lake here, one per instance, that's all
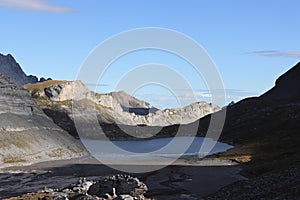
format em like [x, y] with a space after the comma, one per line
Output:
[158, 149]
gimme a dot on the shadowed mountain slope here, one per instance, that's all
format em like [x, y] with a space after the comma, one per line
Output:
[266, 132]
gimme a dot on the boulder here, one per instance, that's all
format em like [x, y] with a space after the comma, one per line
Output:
[118, 185]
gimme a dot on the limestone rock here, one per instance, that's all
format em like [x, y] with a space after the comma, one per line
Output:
[115, 107]
[128, 101]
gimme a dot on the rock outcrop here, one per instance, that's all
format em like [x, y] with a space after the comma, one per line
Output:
[10, 68]
[27, 135]
[117, 186]
[128, 101]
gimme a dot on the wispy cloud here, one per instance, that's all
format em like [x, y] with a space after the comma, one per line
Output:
[275, 53]
[35, 5]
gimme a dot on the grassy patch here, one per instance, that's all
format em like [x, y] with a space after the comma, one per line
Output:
[13, 159]
[39, 87]
[56, 153]
[54, 105]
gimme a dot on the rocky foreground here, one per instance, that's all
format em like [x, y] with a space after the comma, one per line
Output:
[278, 184]
[187, 179]
[118, 187]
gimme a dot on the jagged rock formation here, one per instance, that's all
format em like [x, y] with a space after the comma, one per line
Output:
[10, 68]
[121, 187]
[27, 135]
[55, 98]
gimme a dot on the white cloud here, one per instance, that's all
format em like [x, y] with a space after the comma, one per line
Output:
[274, 53]
[203, 94]
[34, 5]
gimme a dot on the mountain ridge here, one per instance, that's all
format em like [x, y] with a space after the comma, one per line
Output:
[12, 69]
[113, 118]
[286, 86]
[265, 133]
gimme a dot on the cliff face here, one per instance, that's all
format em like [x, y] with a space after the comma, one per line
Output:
[10, 68]
[27, 135]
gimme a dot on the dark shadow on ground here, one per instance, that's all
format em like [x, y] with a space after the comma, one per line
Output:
[171, 182]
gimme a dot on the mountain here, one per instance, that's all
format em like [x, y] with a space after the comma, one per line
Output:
[27, 135]
[128, 101]
[265, 128]
[10, 68]
[56, 97]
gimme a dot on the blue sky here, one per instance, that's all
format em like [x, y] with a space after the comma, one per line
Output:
[251, 42]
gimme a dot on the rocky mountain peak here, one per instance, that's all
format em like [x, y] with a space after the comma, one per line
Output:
[129, 101]
[10, 68]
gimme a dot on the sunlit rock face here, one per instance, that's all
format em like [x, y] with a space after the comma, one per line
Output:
[115, 107]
